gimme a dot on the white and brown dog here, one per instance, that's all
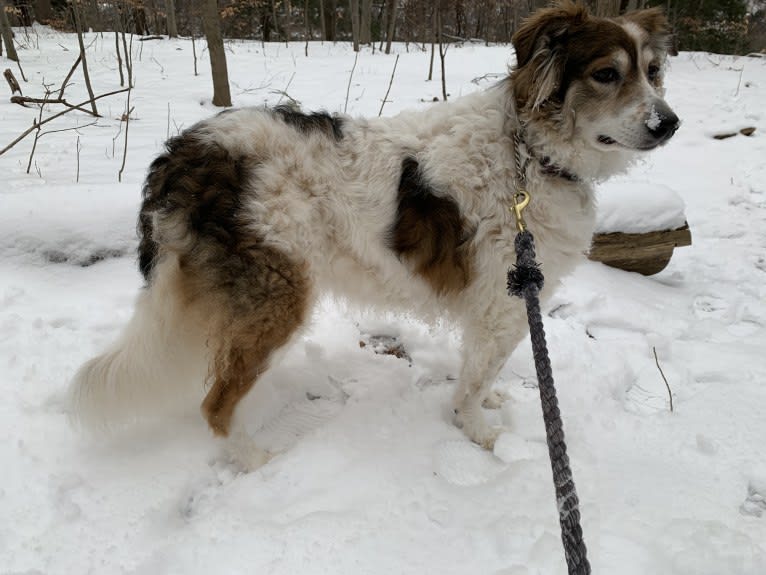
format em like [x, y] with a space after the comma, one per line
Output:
[249, 216]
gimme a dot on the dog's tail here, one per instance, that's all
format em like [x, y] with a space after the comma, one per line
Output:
[159, 360]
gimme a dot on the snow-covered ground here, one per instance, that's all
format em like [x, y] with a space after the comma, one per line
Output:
[374, 478]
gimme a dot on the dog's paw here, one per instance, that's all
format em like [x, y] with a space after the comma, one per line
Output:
[486, 438]
[495, 400]
[473, 424]
[243, 452]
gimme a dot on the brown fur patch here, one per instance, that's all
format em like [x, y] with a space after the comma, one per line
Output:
[251, 318]
[654, 22]
[429, 233]
[564, 41]
[252, 296]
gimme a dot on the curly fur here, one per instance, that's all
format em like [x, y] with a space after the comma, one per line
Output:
[250, 215]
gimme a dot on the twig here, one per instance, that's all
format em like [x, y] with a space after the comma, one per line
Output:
[162, 68]
[125, 149]
[69, 75]
[194, 53]
[348, 88]
[739, 83]
[78, 147]
[670, 393]
[284, 92]
[23, 77]
[86, 75]
[54, 116]
[390, 82]
[22, 100]
[119, 57]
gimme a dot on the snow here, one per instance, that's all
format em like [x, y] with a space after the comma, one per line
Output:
[628, 205]
[375, 479]
[654, 120]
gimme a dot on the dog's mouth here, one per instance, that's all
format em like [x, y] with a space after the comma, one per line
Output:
[608, 141]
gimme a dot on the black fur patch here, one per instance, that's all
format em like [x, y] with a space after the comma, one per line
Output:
[429, 232]
[200, 184]
[322, 122]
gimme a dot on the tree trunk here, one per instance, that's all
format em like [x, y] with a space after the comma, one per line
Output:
[354, 6]
[212, 22]
[43, 10]
[286, 25]
[365, 32]
[170, 8]
[322, 22]
[328, 18]
[391, 24]
[7, 33]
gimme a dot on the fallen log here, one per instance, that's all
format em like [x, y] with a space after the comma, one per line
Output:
[646, 253]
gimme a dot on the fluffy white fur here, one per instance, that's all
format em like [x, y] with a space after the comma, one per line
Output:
[330, 204]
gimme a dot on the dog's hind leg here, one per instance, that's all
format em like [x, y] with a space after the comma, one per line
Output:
[258, 302]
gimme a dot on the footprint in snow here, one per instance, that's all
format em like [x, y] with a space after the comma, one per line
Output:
[463, 463]
[755, 503]
[709, 306]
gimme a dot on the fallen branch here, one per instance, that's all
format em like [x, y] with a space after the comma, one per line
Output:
[23, 100]
[147, 38]
[57, 115]
[670, 393]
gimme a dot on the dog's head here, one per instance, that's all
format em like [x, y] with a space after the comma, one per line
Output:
[597, 81]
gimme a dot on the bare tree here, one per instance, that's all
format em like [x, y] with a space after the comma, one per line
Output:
[5, 29]
[365, 32]
[85, 73]
[211, 20]
[43, 10]
[170, 8]
[354, 6]
[391, 23]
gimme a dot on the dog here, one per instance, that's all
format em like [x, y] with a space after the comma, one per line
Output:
[249, 216]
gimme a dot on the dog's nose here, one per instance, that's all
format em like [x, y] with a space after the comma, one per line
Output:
[663, 123]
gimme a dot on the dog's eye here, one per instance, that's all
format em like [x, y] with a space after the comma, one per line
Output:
[606, 75]
[653, 73]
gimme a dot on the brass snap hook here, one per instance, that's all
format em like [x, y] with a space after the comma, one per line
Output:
[520, 201]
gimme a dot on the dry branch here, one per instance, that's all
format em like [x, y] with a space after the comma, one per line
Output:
[390, 83]
[348, 88]
[667, 385]
[57, 115]
[12, 81]
[69, 75]
[24, 100]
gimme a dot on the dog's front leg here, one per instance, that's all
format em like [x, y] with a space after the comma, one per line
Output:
[485, 350]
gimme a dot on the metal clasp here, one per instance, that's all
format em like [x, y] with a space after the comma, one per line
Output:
[520, 201]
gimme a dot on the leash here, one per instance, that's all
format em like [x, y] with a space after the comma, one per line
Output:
[525, 280]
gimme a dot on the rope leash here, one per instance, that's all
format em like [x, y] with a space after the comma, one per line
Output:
[525, 280]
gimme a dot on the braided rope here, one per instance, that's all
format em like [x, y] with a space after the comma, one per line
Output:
[526, 280]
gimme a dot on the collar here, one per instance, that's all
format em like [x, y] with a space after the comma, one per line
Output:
[547, 167]
[551, 169]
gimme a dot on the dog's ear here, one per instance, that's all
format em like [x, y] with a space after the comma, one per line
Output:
[654, 22]
[540, 48]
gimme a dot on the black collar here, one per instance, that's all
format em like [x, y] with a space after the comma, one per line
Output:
[551, 169]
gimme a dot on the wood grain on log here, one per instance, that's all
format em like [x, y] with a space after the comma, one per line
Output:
[646, 253]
